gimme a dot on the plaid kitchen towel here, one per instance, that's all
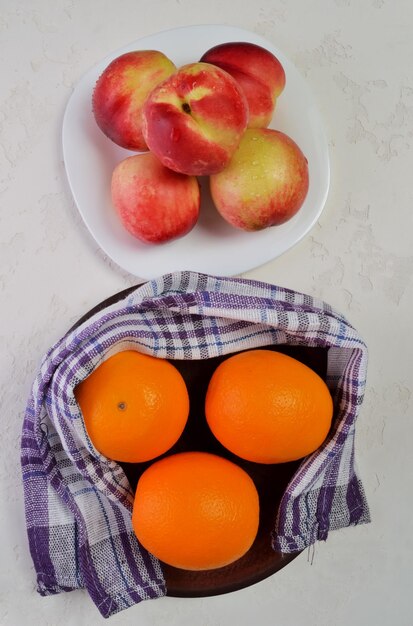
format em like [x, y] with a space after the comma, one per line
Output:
[78, 503]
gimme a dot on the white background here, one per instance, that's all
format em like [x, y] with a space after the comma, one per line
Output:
[356, 57]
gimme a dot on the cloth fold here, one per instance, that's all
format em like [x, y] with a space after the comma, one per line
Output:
[78, 503]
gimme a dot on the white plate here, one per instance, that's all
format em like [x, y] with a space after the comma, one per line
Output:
[212, 247]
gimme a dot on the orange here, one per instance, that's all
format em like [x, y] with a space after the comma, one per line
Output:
[135, 406]
[267, 407]
[196, 511]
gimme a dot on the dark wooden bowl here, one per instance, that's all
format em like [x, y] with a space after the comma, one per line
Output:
[261, 560]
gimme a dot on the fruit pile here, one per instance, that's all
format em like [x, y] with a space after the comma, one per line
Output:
[196, 510]
[208, 118]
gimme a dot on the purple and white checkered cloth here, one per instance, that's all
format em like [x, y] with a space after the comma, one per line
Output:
[78, 503]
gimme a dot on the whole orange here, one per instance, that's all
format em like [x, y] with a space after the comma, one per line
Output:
[135, 406]
[267, 407]
[196, 511]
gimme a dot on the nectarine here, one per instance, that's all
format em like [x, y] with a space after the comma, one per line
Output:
[154, 203]
[120, 92]
[193, 121]
[258, 72]
[265, 183]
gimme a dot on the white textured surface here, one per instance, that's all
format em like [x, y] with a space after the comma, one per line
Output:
[356, 57]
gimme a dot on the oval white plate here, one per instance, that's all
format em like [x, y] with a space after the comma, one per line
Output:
[212, 247]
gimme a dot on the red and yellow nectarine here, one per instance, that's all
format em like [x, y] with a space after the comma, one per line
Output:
[258, 72]
[122, 89]
[265, 183]
[194, 120]
[154, 203]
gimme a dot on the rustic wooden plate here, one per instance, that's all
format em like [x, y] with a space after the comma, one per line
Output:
[261, 560]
